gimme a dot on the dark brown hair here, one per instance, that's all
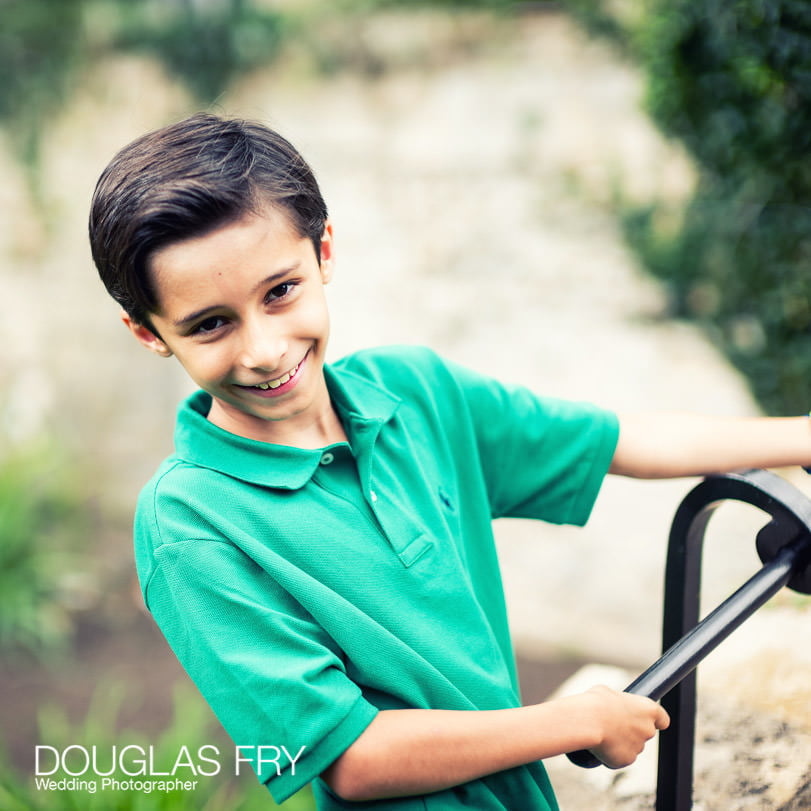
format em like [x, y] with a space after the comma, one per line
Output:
[183, 181]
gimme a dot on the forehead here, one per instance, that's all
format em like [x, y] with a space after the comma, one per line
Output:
[267, 229]
[250, 247]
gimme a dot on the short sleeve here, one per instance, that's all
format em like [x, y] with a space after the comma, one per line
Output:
[541, 457]
[271, 675]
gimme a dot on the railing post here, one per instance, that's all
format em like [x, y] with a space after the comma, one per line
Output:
[674, 788]
[791, 513]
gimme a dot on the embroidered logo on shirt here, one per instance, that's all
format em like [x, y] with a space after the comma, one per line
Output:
[445, 499]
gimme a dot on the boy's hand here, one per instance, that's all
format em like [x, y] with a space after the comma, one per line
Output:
[627, 721]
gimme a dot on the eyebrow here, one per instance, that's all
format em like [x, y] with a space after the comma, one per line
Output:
[274, 278]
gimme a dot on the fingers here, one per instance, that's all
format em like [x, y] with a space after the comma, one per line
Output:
[658, 714]
[662, 720]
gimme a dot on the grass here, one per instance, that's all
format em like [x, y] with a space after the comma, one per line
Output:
[189, 727]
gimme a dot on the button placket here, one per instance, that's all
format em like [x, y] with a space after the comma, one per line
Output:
[408, 546]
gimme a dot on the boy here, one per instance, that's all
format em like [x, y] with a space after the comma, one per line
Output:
[318, 551]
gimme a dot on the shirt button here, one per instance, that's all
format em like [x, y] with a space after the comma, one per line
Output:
[327, 458]
[373, 495]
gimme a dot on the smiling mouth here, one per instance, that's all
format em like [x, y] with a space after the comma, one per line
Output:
[279, 381]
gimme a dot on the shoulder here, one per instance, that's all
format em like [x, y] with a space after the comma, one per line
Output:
[389, 360]
[181, 492]
[176, 503]
[420, 380]
[400, 369]
[174, 479]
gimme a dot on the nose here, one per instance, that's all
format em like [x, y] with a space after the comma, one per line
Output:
[263, 344]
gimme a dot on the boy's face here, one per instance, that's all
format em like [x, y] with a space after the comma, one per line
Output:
[243, 309]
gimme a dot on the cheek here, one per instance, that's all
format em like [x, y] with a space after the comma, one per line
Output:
[313, 317]
[209, 361]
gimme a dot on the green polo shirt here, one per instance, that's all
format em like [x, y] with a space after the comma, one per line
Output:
[304, 590]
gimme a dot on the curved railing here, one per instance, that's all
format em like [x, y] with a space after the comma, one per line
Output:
[784, 547]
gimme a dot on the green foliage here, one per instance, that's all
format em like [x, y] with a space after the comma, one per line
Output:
[597, 20]
[742, 269]
[42, 522]
[207, 45]
[733, 82]
[40, 51]
[46, 46]
[191, 726]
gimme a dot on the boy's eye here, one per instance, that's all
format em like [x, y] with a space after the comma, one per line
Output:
[209, 325]
[280, 291]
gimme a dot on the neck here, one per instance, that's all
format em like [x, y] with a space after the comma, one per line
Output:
[309, 431]
[327, 429]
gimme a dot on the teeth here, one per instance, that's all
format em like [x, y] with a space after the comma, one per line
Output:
[280, 381]
[274, 384]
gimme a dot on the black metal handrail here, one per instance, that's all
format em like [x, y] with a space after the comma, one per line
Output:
[784, 547]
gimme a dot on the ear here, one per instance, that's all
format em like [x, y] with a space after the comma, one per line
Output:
[327, 253]
[145, 336]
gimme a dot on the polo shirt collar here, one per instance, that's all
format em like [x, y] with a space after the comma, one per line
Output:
[363, 406]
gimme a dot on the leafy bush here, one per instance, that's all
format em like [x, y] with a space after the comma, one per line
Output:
[732, 81]
[46, 47]
[42, 522]
[206, 45]
[191, 726]
[39, 55]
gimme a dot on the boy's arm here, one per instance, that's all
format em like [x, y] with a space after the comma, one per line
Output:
[408, 752]
[670, 445]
